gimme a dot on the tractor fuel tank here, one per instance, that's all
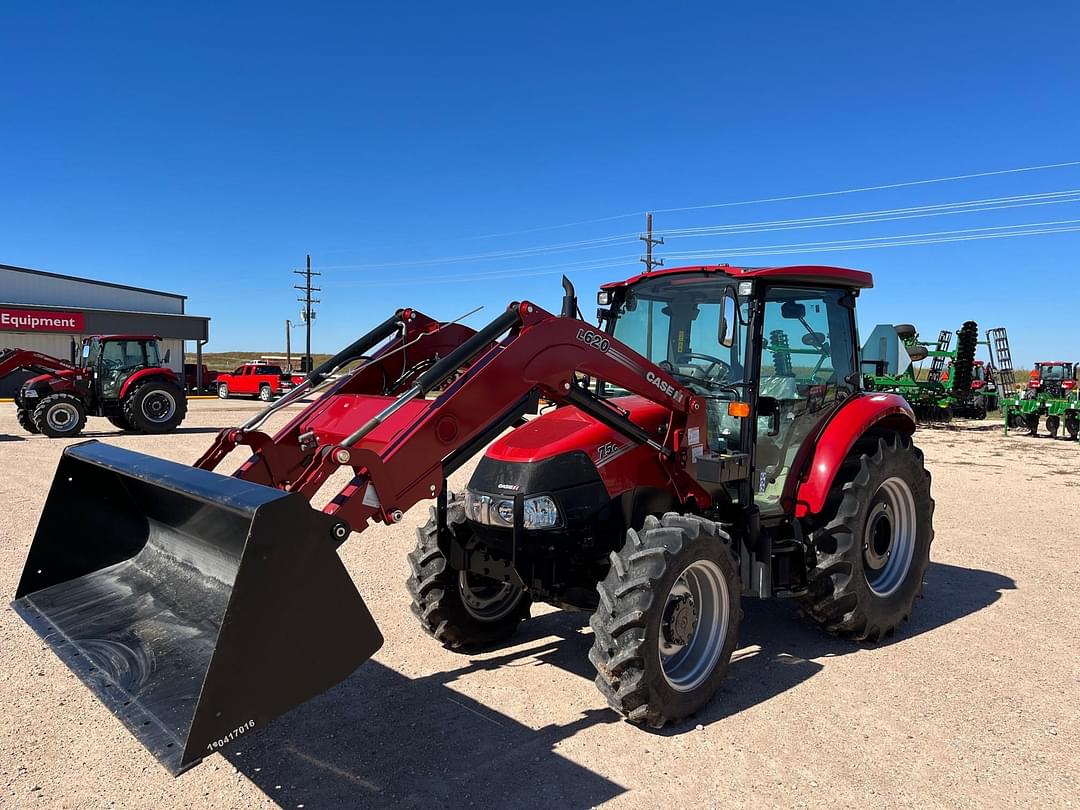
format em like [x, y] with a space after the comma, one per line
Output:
[195, 606]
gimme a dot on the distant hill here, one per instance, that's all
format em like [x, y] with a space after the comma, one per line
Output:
[227, 361]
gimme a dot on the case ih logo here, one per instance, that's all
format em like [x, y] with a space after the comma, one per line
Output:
[33, 320]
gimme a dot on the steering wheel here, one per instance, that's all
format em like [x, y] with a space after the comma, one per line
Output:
[714, 362]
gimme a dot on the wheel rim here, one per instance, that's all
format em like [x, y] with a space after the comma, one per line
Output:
[694, 625]
[62, 417]
[264, 394]
[158, 406]
[223, 391]
[485, 599]
[889, 537]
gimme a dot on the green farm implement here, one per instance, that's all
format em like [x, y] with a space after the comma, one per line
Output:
[1052, 392]
[955, 383]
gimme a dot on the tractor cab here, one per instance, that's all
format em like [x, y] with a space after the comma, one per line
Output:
[1054, 379]
[114, 358]
[787, 334]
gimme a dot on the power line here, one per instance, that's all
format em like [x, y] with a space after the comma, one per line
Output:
[841, 245]
[832, 220]
[792, 197]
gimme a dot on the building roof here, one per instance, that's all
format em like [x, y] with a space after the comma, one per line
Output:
[92, 281]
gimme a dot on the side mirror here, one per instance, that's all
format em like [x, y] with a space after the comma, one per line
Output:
[165, 359]
[729, 317]
[793, 310]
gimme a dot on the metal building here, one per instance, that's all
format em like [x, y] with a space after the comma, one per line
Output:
[46, 311]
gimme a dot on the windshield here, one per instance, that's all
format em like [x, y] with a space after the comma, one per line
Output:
[675, 322]
[1052, 372]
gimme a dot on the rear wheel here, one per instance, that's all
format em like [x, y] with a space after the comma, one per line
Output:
[60, 416]
[459, 608]
[873, 549]
[266, 393]
[668, 619]
[156, 406]
[223, 390]
[1053, 425]
[25, 420]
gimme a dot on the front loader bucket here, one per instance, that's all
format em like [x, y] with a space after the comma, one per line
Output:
[194, 605]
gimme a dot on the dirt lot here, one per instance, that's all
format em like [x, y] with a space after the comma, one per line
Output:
[973, 704]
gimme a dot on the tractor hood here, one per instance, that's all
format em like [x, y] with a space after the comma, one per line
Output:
[566, 430]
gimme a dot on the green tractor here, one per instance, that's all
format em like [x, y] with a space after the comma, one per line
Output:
[956, 384]
[1052, 392]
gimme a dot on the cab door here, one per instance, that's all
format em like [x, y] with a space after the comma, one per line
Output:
[807, 368]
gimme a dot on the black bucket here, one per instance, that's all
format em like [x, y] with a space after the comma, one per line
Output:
[194, 605]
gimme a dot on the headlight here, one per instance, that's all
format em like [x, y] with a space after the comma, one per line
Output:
[29, 392]
[540, 511]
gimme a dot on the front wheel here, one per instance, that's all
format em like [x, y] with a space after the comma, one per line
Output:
[25, 420]
[873, 550]
[157, 406]
[60, 416]
[223, 390]
[668, 619]
[459, 608]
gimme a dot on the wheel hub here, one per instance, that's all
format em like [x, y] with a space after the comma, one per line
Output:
[877, 547]
[158, 407]
[680, 620]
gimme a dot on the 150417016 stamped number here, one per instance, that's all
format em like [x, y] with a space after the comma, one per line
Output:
[214, 745]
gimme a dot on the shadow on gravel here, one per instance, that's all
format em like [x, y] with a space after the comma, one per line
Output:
[113, 434]
[380, 738]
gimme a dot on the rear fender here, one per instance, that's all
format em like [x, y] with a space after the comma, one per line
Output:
[143, 374]
[850, 422]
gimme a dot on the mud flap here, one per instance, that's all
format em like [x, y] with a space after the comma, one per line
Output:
[195, 606]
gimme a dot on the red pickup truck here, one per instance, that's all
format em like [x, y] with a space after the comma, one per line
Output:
[254, 379]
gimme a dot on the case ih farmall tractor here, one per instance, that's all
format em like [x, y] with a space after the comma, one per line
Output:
[709, 442]
[120, 377]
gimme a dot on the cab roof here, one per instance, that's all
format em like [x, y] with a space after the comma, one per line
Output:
[802, 273]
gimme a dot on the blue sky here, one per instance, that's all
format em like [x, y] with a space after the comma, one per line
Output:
[205, 148]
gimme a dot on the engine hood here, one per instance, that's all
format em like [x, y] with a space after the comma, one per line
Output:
[567, 429]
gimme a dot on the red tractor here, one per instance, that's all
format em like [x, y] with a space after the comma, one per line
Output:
[709, 441]
[120, 377]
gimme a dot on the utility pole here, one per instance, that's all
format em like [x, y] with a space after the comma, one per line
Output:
[288, 344]
[647, 238]
[307, 313]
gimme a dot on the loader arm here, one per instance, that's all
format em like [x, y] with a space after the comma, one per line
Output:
[12, 360]
[400, 449]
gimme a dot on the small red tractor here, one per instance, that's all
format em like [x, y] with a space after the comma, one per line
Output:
[120, 377]
[709, 441]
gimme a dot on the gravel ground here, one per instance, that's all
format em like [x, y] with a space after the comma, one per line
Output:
[973, 704]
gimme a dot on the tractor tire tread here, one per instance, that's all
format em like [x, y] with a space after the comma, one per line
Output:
[838, 598]
[435, 598]
[621, 654]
